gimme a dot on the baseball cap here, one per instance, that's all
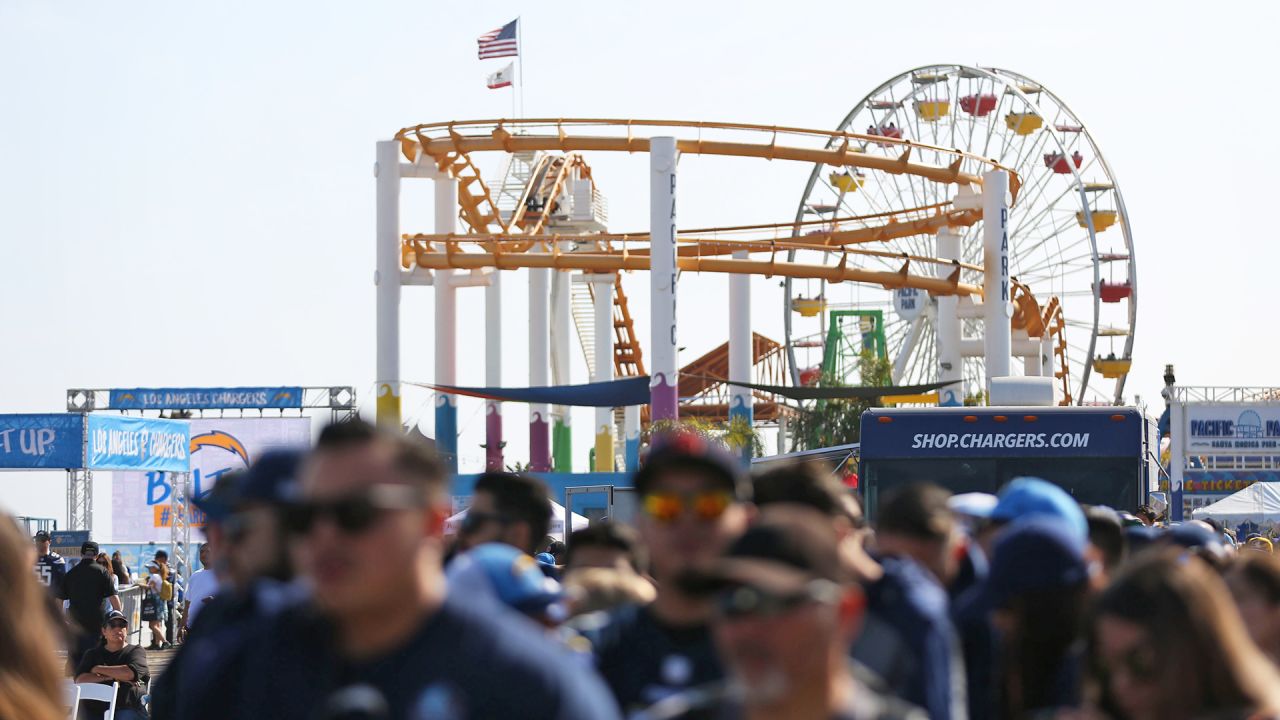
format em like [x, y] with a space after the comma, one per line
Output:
[222, 500]
[1030, 497]
[1036, 553]
[1140, 536]
[512, 576]
[1194, 534]
[778, 555]
[114, 615]
[973, 504]
[545, 558]
[89, 546]
[43, 536]
[272, 477]
[685, 450]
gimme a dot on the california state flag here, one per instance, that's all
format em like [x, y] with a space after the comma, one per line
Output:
[502, 78]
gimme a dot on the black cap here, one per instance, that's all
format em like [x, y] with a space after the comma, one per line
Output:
[271, 478]
[43, 536]
[777, 555]
[89, 546]
[114, 615]
[690, 451]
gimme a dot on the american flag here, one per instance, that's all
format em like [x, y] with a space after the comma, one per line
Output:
[499, 43]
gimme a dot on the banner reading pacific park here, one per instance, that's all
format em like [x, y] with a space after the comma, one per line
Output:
[141, 501]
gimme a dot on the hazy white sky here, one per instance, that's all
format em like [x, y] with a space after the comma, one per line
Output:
[186, 190]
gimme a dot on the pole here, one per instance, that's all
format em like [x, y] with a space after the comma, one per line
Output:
[631, 431]
[561, 431]
[603, 287]
[1177, 456]
[539, 330]
[386, 280]
[950, 330]
[740, 351]
[446, 215]
[493, 459]
[663, 393]
[997, 310]
[520, 60]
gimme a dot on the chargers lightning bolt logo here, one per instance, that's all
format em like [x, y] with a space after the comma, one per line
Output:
[219, 439]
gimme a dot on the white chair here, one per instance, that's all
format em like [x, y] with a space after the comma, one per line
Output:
[101, 693]
[71, 698]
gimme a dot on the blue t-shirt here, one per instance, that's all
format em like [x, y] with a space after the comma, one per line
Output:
[463, 663]
[909, 641]
[50, 570]
[645, 660]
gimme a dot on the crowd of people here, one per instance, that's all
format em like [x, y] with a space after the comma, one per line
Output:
[333, 591]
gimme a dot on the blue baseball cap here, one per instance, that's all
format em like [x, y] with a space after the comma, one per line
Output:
[1036, 553]
[545, 558]
[271, 478]
[1140, 537]
[1032, 497]
[1194, 534]
[512, 577]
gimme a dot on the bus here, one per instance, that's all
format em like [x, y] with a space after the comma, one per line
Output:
[1100, 455]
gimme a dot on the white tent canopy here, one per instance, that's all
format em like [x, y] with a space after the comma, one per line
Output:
[1259, 503]
[557, 522]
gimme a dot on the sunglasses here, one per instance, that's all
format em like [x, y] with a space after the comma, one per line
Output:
[751, 601]
[667, 507]
[352, 514]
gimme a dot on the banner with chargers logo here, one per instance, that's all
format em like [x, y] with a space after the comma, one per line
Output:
[141, 508]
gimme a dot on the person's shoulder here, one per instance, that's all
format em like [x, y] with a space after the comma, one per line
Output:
[613, 628]
[911, 587]
[54, 558]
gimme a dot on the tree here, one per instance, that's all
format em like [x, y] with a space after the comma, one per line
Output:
[838, 421]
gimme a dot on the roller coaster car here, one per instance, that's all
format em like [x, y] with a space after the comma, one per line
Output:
[1113, 292]
[1023, 123]
[1102, 219]
[979, 105]
[1060, 163]
[810, 376]
[1112, 367]
[846, 182]
[808, 307]
[933, 110]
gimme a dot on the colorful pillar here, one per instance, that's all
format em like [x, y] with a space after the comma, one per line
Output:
[386, 280]
[663, 394]
[493, 459]
[949, 329]
[539, 366]
[602, 288]
[561, 432]
[997, 310]
[740, 349]
[446, 216]
[631, 433]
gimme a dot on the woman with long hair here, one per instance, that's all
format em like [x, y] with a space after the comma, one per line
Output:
[120, 570]
[1166, 642]
[1254, 580]
[30, 677]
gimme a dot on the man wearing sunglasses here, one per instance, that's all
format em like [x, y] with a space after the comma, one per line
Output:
[507, 508]
[117, 661]
[381, 629]
[785, 616]
[693, 499]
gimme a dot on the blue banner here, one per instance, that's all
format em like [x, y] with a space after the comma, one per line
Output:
[240, 398]
[132, 443]
[42, 441]
[1003, 432]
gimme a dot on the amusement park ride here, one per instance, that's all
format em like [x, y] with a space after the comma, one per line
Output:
[956, 218]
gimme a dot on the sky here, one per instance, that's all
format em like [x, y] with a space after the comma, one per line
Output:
[187, 197]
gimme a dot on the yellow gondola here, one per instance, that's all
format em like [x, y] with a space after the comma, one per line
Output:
[846, 182]
[808, 307]
[1112, 367]
[1023, 123]
[1102, 219]
[933, 110]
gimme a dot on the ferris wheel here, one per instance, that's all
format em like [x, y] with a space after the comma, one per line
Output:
[1071, 247]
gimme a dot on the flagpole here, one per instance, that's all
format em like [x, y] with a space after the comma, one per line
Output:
[520, 62]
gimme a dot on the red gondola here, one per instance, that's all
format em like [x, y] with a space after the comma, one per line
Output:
[979, 105]
[889, 131]
[1113, 292]
[810, 376]
[1060, 163]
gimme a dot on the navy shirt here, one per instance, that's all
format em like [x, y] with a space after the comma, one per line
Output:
[462, 663]
[645, 660]
[50, 570]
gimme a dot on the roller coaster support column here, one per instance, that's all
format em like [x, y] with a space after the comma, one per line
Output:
[387, 282]
[950, 361]
[1046, 354]
[493, 459]
[740, 350]
[663, 394]
[539, 365]
[997, 309]
[446, 216]
[631, 433]
[561, 433]
[602, 289]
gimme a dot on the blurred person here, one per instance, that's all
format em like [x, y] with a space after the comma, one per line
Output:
[381, 627]
[590, 591]
[1166, 643]
[786, 613]
[604, 544]
[156, 612]
[85, 587]
[1025, 497]
[104, 561]
[693, 502]
[1146, 515]
[1035, 596]
[1107, 544]
[504, 573]
[1254, 581]
[30, 678]
[1260, 544]
[557, 550]
[507, 508]
[121, 570]
[915, 522]
[202, 587]
[50, 567]
[116, 661]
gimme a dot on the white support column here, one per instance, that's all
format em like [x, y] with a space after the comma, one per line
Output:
[386, 279]
[631, 432]
[561, 430]
[446, 340]
[493, 371]
[539, 369]
[740, 349]
[995, 261]
[602, 288]
[663, 391]
[1177, 457]
[1031, 362]
[949, 327]
[1046, 355]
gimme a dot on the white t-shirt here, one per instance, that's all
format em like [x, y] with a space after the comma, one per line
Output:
[202, 585]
